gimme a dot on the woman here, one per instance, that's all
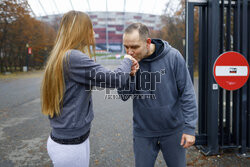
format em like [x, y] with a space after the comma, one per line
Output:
[66, 89]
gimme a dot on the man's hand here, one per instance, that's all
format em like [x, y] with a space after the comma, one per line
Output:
[187, 140]
[135, 65]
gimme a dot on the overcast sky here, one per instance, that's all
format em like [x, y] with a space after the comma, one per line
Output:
[44, 7]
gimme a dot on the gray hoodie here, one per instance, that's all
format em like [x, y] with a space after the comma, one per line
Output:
[80, 74]
[163, 95]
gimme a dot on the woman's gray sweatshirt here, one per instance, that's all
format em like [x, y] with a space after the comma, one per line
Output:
[80, 74]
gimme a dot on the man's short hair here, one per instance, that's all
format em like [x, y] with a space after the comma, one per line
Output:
[142, 29]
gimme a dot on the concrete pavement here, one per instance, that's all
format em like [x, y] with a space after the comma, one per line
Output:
[24, 130]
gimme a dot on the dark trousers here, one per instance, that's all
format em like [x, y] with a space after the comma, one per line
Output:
[146, 150]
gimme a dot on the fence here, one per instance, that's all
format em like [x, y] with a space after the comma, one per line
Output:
[224, 116]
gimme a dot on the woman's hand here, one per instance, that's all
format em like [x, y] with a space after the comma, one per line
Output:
[135, 65]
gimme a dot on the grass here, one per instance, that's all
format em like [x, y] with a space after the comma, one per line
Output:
[110, 58]
[19, 74]
[196, 74]
[102, 54]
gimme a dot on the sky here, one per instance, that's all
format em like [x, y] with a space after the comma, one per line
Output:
[48, 7]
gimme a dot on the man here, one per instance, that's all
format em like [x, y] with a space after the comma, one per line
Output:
[164, 103]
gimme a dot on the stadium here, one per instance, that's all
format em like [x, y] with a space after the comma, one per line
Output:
[109, 26]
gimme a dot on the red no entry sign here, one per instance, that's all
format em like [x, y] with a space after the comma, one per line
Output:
[231, 70]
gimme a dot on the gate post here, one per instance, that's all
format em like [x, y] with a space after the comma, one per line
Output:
[212, 91]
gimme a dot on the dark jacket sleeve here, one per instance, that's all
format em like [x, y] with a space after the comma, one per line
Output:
[84, 70]
[186, 94]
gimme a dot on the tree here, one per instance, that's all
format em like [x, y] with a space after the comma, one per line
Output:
[17, 29]
[173, 29]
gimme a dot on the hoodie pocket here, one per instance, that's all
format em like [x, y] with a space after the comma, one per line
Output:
[157, 118]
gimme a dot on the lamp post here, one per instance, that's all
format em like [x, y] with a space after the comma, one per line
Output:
[27, 57]
[45, 57]
[184, 45]
[107, 31]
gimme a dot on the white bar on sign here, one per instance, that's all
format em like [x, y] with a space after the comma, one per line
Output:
[231, 70]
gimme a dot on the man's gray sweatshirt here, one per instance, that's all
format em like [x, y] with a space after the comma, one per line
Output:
[163, 95]
[80, 74]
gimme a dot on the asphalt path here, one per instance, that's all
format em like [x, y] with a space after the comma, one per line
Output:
[24, 130]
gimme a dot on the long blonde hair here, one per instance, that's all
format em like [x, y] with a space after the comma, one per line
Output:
[75, 32]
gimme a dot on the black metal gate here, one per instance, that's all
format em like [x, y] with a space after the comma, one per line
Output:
[224, 116]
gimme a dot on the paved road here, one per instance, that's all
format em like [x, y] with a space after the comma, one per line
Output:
[24, 130]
